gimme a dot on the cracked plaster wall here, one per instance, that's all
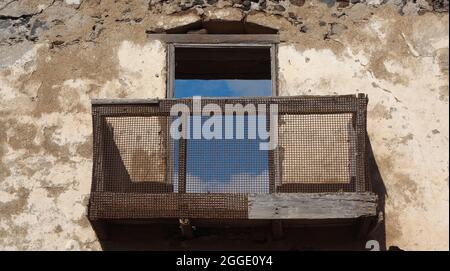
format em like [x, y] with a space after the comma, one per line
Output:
[55, 55]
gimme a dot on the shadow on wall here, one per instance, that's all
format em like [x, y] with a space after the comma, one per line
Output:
[258, 235]
[125, 159]
[378, 231]
[221, 27]
[165, 237]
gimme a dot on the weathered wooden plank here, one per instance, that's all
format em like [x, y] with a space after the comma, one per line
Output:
[170, 83]
[311, 205]
[274, 68]
[215, 38]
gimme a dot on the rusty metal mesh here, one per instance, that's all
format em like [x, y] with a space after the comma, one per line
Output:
[135, 155]
[141, 172]
[317, 153]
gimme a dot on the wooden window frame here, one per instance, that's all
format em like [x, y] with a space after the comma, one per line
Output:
[174, 41]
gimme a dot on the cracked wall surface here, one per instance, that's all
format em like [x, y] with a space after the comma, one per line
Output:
[56, 55]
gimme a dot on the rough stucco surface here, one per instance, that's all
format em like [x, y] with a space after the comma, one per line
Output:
[57, 55]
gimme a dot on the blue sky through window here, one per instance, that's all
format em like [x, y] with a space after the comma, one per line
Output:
[224, 165]
[222, 88]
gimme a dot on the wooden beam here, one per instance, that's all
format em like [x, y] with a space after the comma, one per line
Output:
[216, 38]
[170, 83]
[311, 205]
[274, 68]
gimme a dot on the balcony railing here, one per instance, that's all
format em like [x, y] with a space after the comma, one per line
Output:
[317, 169]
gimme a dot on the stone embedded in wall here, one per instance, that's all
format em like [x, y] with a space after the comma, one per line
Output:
[36, 27]
[73, 3]
[337, 28]
[32, 21]
[343, 3]
[329, 3]
[223, 14]
[180, 23]
[416, 7]
[440, 5]
[279, 8]
[303, 29]
[225, 20]
[297, 2]
[375, 2]
[23, 8]
[14, 30]
[272, 22]
[51, 23]
[420, 7]
[358, 9]
[358, 12]
[246, 5]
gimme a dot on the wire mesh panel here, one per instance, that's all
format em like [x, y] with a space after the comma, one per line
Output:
[226, 166]
[134, 154]
[317, 152]
[221, 165]
[140, 171]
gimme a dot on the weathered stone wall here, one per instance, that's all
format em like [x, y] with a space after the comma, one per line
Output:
[55, 55]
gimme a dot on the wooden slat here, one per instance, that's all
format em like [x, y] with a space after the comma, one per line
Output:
[274, 69]
[216, 38]
[311, 206]
[170, 71]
